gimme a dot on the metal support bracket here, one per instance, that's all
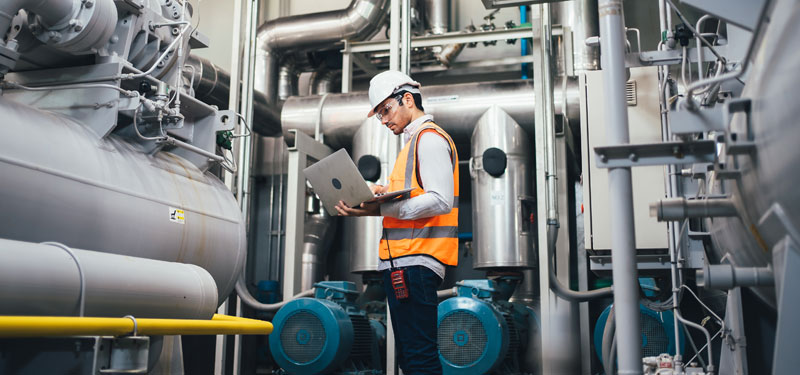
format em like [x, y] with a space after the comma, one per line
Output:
[303, 149]
[121, 355]
[665, 153]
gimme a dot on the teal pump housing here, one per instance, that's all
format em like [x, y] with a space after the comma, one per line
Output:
[327, 334]
[481, 332]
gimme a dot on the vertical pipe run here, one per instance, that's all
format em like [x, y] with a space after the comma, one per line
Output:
[405, 50]
[523, 43]
[626, 291]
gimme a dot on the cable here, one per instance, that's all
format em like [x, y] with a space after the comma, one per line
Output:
[694, 31]
[15, 85]
[721, 322]
[136, 128]
[249, 132]
[82, 295]
[172, 45]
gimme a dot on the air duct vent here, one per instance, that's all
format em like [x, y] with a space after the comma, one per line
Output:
[630, 93]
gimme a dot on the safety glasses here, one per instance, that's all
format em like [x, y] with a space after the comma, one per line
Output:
[383, 112]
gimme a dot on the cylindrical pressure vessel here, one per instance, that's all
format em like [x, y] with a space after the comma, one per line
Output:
[501, 193]
[61, 182]
[43, 279]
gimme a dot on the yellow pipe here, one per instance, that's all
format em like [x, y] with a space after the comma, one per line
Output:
[50, 326]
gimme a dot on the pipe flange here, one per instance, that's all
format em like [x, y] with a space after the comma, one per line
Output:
[88, 28]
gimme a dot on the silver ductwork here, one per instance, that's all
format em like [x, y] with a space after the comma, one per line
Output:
[456, 108]
[359, 21]
[43, 279]
[502, 193]
[437, 16]
[322, 82]
[211, 85]
[581, 18]
[319, 229]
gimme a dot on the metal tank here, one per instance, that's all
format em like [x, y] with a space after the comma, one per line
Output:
[64, 183]
[362, 235]
[502, 213]
[769, 179]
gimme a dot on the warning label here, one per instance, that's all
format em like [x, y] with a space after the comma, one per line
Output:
[176, 215]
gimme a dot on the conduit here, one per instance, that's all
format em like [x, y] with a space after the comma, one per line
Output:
[59, 326]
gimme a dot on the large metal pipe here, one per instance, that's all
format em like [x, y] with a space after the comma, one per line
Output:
[87, 192]
[581, 17]
[211, 85]
[437, 16]
[41, 279]
[319, 228]
[623, 255]
[673, 209]
[456, 108]
[324, 30]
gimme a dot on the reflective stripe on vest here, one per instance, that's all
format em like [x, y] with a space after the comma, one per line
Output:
[434, 236]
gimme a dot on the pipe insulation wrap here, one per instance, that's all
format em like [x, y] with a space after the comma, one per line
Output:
[456, 108]
[72, 187]
[43, 280]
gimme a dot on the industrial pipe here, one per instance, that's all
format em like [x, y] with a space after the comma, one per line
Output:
[675, 209]
[319, 229]
[324, 30]
[623, 254]
[211, 85]
[447, 293]
[39, 279]
[457, 108]
[51, 12]
[59, 326]
[437, 14]
[726, 276]
[250, 301]
[562, 290]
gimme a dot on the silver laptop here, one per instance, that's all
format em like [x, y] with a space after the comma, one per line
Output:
[336, 178]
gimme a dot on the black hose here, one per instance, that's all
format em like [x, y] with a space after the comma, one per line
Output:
[560, 289]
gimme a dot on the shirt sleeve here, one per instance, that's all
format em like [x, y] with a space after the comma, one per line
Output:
[436, 173]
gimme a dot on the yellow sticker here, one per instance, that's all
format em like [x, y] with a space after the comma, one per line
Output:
[176, 215]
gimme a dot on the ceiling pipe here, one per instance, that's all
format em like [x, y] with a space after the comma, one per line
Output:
[456, 108]
[359, 21]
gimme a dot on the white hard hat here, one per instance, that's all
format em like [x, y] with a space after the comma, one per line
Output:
[387, 83]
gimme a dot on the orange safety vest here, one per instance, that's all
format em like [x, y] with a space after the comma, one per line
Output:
[435, 236]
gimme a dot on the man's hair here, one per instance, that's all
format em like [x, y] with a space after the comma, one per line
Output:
[417, 98]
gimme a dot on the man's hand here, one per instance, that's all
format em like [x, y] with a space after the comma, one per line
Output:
[364, 209]
[379, 189]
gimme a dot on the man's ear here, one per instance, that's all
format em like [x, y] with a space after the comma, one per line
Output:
[407, 97]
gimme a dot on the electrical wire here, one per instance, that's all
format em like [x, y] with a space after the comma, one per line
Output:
[721, 322]
[694, 31]
[15, 85]
[244, 122]
[169, 48]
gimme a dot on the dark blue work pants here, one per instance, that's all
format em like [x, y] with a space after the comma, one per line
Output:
[414, 321]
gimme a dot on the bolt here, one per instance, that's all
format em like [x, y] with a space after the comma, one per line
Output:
[114, 39]
[88, 3]
[53, 37]
[603, 158]
[78, 26]
[175, 31]
[176, 15]
[633, 157]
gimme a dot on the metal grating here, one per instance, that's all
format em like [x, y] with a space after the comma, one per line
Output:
[362, 337]
[303, 337]
[654, 337]
[630, 93]
[467, 328]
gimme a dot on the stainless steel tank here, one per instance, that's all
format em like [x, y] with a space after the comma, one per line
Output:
[362, 235]
[501, 193]
[61, 182]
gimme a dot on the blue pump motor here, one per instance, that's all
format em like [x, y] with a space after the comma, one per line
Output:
[482, 333]
[327, 334]
[658, 332]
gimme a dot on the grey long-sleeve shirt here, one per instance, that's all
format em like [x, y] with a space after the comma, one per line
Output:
[436, 175]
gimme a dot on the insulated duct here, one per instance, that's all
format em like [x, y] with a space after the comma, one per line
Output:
[437, 14]
[211, 85]
[456, 108]
[319, 229]
[359, 21]
[42, 279]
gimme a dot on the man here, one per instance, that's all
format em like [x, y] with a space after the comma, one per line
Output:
[420, 234]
